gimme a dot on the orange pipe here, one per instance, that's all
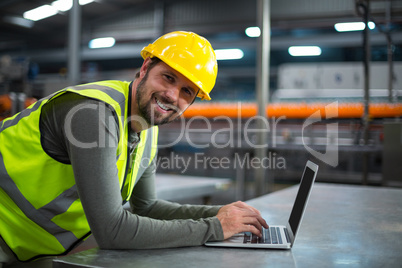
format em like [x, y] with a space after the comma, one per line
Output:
[29, 102]
[5, 103]
[293, 110]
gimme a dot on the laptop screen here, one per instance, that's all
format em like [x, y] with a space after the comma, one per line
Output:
[301, 199]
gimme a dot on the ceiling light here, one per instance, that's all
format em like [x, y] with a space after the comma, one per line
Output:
[229, 54]
[353, 26]
[63, 5]
[102, 42]
[304, 51]
[253, 32]
[84, 2]
[39, 13]
[46, 11]
[19, 21]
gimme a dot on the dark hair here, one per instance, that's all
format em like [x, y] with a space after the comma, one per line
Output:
[154, 61]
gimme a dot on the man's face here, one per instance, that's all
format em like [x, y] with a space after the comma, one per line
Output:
[163, 94]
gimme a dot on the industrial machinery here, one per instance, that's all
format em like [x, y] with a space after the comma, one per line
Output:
[315, 114]
[16, 76]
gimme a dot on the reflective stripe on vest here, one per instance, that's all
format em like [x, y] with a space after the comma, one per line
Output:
[148, 151]
[118, 96]
[32, 228]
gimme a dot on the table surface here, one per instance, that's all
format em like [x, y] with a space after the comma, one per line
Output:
[176, 187]
[354, 226]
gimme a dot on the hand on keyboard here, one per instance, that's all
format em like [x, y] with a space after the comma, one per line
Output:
[239, 217]
[270, 236]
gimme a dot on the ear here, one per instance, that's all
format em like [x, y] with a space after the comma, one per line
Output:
[144, 67]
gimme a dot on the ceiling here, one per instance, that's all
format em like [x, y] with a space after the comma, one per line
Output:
[135, 23]
[50, 32]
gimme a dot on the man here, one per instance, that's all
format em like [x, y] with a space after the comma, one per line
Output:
[69, 161]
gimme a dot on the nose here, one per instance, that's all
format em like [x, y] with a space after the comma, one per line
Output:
[172, 94]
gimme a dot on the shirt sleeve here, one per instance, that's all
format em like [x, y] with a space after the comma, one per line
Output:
[144, 202]
[89, 143]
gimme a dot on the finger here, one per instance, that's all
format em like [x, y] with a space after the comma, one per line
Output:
[258, 221]
[253, 215]
[253, 229]
[256, 213]
[254, 222]
[249, 213]
[263, 223]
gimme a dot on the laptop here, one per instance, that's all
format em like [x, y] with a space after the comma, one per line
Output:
[278, 236]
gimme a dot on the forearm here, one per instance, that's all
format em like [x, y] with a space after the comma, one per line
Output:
[147, 233]
[168, 210]
[144, 202]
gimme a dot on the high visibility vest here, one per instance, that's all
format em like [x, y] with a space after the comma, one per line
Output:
[40, 211]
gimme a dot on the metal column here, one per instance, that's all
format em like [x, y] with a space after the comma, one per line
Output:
[74, 43]
[264, 22]
[363, 7]
[389, 52]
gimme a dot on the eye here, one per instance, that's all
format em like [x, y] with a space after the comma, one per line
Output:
[169, 78]
[187, 91]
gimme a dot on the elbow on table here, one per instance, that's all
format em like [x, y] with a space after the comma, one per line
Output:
[115, 232]
[107, 242]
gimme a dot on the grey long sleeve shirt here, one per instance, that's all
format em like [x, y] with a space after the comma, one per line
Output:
[152, 223]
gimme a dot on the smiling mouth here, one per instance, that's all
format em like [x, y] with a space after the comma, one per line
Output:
[162, 106]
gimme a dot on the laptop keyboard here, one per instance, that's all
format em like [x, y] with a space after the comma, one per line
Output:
[269, 236]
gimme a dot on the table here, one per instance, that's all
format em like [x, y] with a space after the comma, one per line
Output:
[335, 232]
[177, 187]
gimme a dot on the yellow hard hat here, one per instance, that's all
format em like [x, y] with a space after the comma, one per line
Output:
[189, 54]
